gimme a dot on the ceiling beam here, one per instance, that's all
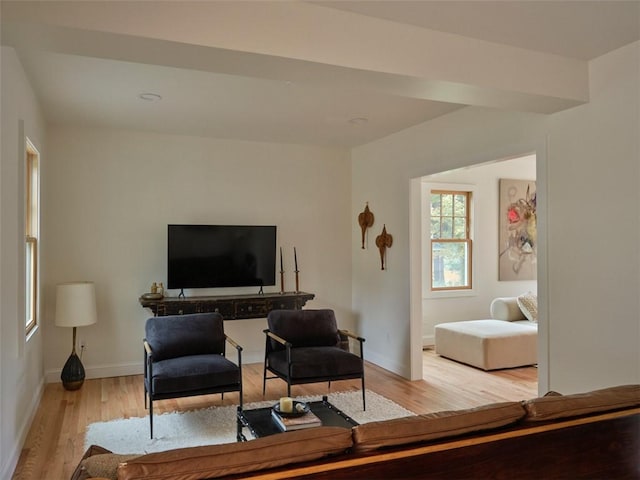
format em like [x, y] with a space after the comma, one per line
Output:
[302, 43]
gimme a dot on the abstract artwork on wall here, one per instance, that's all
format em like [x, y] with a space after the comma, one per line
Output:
[518, 230]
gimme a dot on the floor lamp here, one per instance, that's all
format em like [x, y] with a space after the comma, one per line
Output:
[75, 307]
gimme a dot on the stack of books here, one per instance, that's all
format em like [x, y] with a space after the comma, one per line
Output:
[287, 424]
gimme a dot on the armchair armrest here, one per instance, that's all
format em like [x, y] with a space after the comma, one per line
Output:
[238, 348]
[148, 360]
[233, 343]
[349, 334]
[147, 348]
[278, 339]
[361, 340]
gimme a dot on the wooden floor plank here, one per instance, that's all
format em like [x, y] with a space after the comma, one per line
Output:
[55, 442]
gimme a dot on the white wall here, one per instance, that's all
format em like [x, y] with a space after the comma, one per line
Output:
[589, 308]
[21, 363]
[383, 172]
[594, 241]
[111, 194]
[451, 307]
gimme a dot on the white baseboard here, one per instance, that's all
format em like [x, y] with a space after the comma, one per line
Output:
[101, 371]
[124, 369]
[249, 357]
[428, 340]
[14, 456]
[382, 361]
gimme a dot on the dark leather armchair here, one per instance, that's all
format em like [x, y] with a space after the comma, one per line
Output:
[184, 356]
[305, 346]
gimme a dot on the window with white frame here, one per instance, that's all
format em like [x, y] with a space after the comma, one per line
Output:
[32, 223]
[450, 240]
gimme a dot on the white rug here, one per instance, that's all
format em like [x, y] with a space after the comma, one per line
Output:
[216, 425]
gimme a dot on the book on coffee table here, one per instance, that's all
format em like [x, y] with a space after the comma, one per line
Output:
[286, 424]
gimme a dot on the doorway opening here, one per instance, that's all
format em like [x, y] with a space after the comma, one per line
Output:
[429, 306]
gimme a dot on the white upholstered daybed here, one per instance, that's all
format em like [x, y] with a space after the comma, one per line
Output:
[507, 340]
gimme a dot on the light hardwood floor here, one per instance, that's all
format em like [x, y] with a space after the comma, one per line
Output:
[55, 442]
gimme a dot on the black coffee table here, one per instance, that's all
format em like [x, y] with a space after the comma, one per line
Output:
[260, 423]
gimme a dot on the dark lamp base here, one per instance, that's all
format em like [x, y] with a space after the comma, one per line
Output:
[72, 375]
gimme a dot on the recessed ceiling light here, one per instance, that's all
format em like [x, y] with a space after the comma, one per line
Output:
[358, 120]
[150, 97]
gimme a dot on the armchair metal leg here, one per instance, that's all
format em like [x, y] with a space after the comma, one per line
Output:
[364, 404]
[151, 417]
[264, 378]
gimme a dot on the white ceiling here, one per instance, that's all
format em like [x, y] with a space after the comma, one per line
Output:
[89, 61]
[577, 28]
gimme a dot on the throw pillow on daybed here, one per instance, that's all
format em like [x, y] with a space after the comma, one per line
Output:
[99, 463]
[528, 303]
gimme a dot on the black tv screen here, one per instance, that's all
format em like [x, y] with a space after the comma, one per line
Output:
[211, 256]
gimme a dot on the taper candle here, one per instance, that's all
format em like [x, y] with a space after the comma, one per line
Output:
[295, 258]
[281, 267]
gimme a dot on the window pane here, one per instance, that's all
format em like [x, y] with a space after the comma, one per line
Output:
[447, 227]
[459, 228]
[30, 283]
[460, 205]
[447, 205]
[30, 267]
[435, 227]
[435, 204]
[449, 264]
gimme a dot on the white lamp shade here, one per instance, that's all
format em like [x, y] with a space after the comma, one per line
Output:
[76, 304]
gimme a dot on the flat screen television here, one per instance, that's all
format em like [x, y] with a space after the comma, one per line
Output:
[212, 256]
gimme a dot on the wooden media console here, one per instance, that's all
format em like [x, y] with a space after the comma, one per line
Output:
[231, 307]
